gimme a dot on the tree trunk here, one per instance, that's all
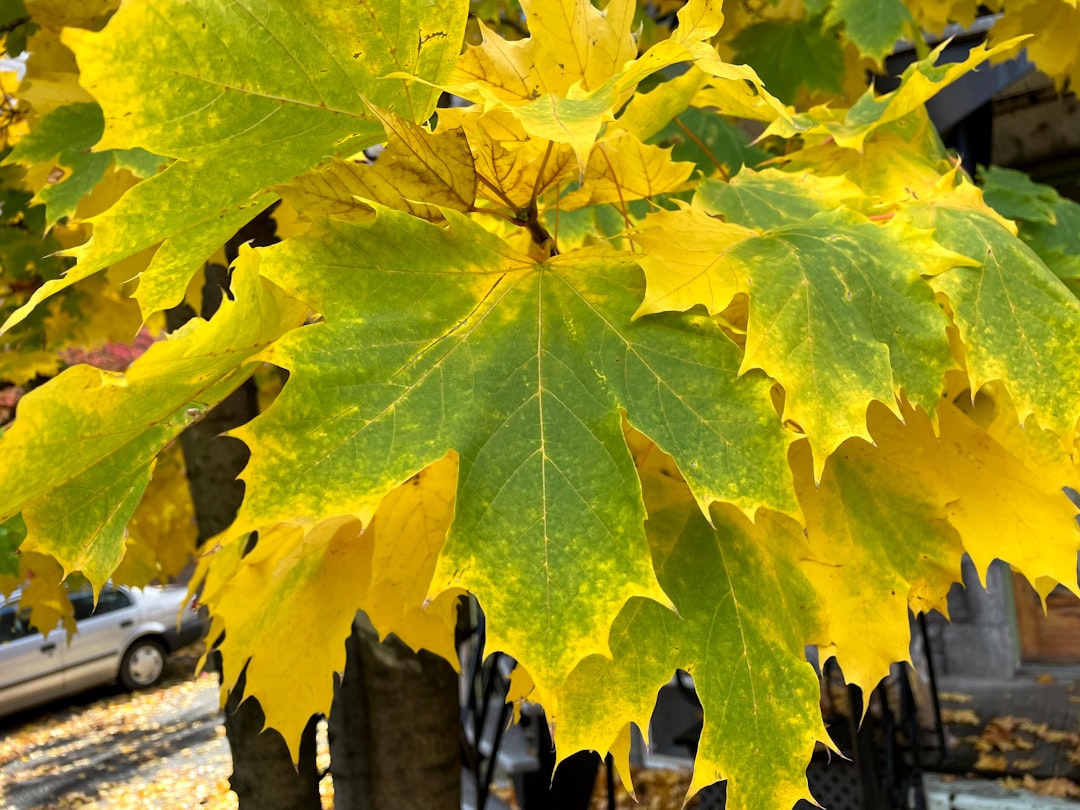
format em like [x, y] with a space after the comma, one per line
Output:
[263, 776]
[394, 727]
[395, 724]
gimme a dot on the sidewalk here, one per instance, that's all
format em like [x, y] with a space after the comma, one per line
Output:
[1009, 735]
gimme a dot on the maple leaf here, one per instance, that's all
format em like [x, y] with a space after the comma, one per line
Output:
[1014, 195]
[408, 532]
[494, 374]
[317, 577]
[558, 94]
[821, 292]
[418, 172]
[44, 594]
[63, 138]
[900, 535]
[114, 424]
[790, 54]
[874, 26]
[157, 84]
[1004, 488]
[1047, 222]
[742, 642]
[994, 303]
[770, 198]
[1051, 47]
[162, 533]
[919, 82]
[496, 304]
[690, 269]
[915, 171]
[647, 113]
[56, 14]
[282, 612]
[558, 81]
[622, 169]
[936, 16]
[511, 167]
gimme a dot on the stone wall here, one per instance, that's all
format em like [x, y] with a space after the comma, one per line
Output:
[980, 641]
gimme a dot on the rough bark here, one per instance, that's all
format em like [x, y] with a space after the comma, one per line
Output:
[394, 727]
[263, 776]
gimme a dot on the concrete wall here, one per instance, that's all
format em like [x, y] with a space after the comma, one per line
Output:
[981, 640]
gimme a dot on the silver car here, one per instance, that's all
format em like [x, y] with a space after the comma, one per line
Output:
[125, 638]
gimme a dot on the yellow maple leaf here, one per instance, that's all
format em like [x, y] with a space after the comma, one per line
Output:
[419, 172]
[936, 15]
[992, 409]
[1004, 503]
[511, 167]
[57, 14]
[621, 168]
[287, 611]
[44, 593]
[920, 82]
[578, 66]
[162, 532]
[407, 533]
[1054, 24]
[682, 273]
[52, 74]
[21, 367]
[875, 553]
[558, 81]
[104, 195]
[572, 43]
[648, 113]
[917, 158]
[315, 579]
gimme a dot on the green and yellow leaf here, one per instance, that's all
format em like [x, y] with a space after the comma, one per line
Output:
[112, 425]
[533, 414]
[919, 82]
[745, 613]
[267, 89]
[1018, 326]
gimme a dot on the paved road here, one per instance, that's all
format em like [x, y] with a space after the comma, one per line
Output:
[113, 749]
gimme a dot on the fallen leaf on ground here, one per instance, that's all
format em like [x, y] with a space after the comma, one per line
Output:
[1055, 786]
[960, 717]
[1050, 735]
[954, 697]
[991, 762]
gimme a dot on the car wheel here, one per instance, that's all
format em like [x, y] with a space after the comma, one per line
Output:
[143, 664]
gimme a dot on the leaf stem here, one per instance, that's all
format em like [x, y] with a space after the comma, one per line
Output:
[497, 191]
[720, 167]
[622, 200]
[528, 217]
[539, 176]
[473, 209]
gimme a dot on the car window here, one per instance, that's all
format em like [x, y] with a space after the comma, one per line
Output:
[13, 623]
[110, 599]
